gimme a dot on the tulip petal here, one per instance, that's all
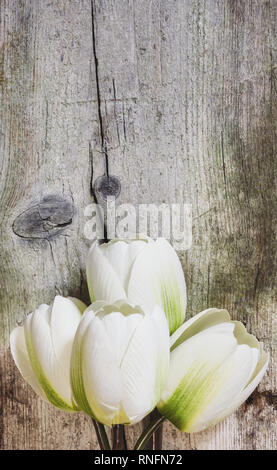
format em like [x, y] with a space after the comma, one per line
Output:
[95, 307]
[103, 282]
[121, 255]
[64, 320]
[157, 278]
[163, 356]
[138, 372]
[125, 328]
[243, 337]
[191, 379]
[144, 370]
[246, 392]
[101, 374]
[79, 304]
[42, 358]
[198, 323]
[76, 370]
[229, 380]
[21, 359]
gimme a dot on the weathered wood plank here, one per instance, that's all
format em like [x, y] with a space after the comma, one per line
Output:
[48, 118]
[183, 95]
[188, 104]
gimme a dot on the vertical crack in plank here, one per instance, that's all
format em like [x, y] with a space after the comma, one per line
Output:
[102, 134]
[92, 192]
[106, 185]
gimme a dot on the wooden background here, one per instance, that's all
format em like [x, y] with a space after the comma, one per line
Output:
[183, 95]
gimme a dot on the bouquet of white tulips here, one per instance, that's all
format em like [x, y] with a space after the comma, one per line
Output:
[130, 351]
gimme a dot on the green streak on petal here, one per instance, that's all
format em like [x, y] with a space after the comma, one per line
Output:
[194, 393]
[120, 417]
[160, 381]
[46, 386]
[90, 290]
[90, 406]
[91, 295]
[77, 382]
[173, 303]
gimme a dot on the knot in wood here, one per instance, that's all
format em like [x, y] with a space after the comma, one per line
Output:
[44, 219]
[106, 186]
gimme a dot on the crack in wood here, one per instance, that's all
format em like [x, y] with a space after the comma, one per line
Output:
[102, 135]
[92, 192]
[106, 185]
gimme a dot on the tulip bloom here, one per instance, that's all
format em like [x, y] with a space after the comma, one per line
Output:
[119, 361]
[41, 349]
[144, 271]
[214, 366]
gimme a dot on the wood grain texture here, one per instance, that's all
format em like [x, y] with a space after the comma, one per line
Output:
[182, 94]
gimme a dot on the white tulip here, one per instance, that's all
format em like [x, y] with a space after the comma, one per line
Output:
[41, 349]
[144, 271]
[119, 361]
[214, 366]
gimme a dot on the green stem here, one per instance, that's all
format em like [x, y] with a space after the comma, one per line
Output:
[147, 433]
[101, 435]
[155, 441]
[104, 437]
[98, 435]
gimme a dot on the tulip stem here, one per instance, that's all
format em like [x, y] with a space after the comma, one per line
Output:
[148, 432]
[156, 440]
[104, 436]
[118, 437]
[101, 435]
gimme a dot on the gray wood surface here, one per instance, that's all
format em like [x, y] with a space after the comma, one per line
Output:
[182, 94]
